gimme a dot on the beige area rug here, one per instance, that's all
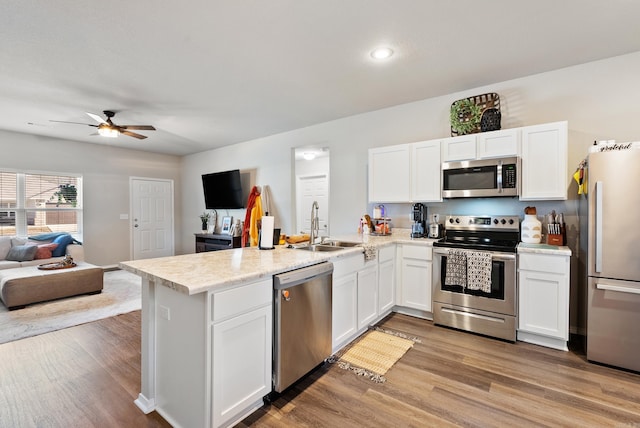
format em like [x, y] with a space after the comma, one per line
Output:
[121, 294]
[374, 354]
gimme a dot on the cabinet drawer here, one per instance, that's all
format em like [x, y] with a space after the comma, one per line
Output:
[344, 266]
[233, 302]
[544, 263]
[421, 252]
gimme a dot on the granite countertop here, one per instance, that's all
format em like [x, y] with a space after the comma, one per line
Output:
[544, 249]
[217, 270]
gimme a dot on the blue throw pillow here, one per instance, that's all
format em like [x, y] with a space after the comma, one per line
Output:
[61, 249]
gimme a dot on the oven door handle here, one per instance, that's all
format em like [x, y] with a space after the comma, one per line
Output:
[494, 255]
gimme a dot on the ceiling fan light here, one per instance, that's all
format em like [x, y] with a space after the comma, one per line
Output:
[108, 132]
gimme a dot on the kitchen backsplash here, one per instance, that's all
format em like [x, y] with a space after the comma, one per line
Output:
[400, 214]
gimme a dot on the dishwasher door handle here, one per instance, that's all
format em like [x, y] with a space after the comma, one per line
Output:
[299, 276]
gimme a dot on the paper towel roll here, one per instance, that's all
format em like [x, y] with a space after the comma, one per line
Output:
[266, 233]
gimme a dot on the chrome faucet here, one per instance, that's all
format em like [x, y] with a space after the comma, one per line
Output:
[315, 223]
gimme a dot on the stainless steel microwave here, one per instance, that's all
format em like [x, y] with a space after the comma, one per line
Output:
[481, 178]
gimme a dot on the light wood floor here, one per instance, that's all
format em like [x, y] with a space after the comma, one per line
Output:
[455, 378]
[89, 375]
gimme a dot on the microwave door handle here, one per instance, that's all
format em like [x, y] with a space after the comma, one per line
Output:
[499, 176]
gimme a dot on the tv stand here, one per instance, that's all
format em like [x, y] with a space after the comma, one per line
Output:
[214, 242]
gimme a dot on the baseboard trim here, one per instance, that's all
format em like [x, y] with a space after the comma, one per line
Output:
[144, 404]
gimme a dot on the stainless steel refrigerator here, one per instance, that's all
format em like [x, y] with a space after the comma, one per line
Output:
[613, 258]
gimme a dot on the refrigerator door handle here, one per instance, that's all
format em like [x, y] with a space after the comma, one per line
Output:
[598, 237]
[619, 288]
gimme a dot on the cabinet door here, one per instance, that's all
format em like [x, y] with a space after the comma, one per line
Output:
[386, 289]
[390, 174]
[344, 316]
[416, 284]
[426, 171]
[543, 304]
[367, 296]
[499, 143]
[241, 363]
[459, 148]
[544, 162]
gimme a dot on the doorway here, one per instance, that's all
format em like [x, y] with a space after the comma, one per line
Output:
[152, 218]
[311, 188]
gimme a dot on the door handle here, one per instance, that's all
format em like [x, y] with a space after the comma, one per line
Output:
[610, 287]
[598, 237]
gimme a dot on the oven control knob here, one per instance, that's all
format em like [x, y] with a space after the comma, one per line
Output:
[457, 220]
[450, 220]
[495, 221]
[503, 221]
[510, 221]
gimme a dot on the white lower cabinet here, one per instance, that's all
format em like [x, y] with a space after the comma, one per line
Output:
[344, 318]
[368, 295]
[543, 299]
[363, 292]
[415, 274]
[242, 350]
[386, 279]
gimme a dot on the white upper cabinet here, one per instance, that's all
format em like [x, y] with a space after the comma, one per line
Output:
[390, 174]
[426, 173]
[496, 144]
[459, 148]
[544, 162]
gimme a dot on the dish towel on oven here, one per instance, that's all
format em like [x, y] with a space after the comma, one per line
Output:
[456, 271]
[479, 271]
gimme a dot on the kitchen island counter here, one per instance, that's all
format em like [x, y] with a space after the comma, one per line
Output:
[217, 270]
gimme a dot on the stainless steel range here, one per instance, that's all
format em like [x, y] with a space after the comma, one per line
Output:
[474, 275]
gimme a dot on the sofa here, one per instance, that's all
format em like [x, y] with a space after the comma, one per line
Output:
[18, 252]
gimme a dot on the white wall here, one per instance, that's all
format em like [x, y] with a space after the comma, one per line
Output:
[599, 100]
[106, 171]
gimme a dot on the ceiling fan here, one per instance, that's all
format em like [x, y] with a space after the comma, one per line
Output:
[107, 128]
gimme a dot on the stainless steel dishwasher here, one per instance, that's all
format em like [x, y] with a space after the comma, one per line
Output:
[302, 322]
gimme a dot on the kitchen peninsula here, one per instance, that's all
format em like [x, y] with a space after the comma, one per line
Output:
[207, 329]
[207, 318]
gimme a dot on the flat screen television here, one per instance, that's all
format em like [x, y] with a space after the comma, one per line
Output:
[222, 190]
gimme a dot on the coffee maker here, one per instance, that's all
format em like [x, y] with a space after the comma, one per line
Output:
[419, 216]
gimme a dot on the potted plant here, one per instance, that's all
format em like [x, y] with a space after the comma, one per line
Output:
[66, 193]
[204, 217]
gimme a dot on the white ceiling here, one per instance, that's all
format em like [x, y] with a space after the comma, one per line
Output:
[210, 73]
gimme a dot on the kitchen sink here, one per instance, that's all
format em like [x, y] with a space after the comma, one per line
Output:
[320, 247]
[344, 244]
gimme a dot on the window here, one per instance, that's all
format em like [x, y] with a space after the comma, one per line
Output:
[33, 203]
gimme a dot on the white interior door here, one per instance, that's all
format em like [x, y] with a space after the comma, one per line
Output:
[311, 188]
[152, 218]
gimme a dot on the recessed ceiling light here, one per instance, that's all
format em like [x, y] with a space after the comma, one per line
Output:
[381, 53]
[309, 155]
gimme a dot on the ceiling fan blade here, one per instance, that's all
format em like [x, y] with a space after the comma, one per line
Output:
[74, 123]
[133, 134]
[96, 117]
[138, 127]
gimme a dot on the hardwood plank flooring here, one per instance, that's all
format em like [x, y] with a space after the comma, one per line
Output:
[89, 375]
[83, 376]
[455, 378]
